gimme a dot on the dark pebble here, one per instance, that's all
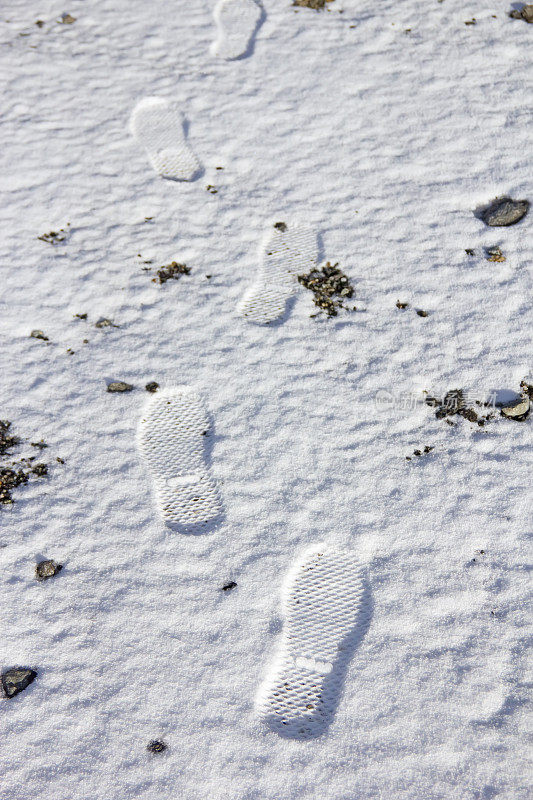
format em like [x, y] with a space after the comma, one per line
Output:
[119, 386]
[152, 386]
[156, 746]
[504, 211]
[38, 335]
[228, 586]
[47, 569]
[16, 680]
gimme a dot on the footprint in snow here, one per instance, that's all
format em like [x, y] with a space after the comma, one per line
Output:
[171, 440]
[158, 127]
[237, 22]
[286, 253]
[327, 612]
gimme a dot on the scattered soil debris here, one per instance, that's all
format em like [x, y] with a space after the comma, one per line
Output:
[152, 387]
[15, 680]
[9, 480]
[472, 21]
[526, 13]
[80, 316]
[401, 305]
[427, 449]
[280, 226]
[156, 746]
[41, 445]
[70, 352]
[330, 287]
[421, 313]
[454, 403]
[55, 237]
[66, 19]
[36, 334]
[503, 211]
[173, 270]
[211, 189]
[6, 440]
[228, 586]
[469, 251]
[119, 386]
[47, 569]
[60, 460]
[105, 323]
[40, 470]
[316, 5]
[494, 254]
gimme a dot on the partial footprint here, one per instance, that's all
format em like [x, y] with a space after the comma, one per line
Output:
[327, 612]
[288, 252]
[237, 22]
[159, 128]
[171, 440]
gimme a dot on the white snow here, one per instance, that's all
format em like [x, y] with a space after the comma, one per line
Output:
[383, 142]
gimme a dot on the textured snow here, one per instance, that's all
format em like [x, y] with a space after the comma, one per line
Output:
[384, 142]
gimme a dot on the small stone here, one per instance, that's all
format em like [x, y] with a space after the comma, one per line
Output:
[47, 569]
[60, 460]
[401, 305]
[152, 386]
[16, 680]
[39, 23]
[527, 388]
[469, 251]
[421, 313]
[119, 386]
[518, 411]
[156, 746]
[229, 586]
[105, 323]
[494, 254]
[504, 211]
[41, 445]
[211, 189]
[280, 226]
[35, 334]
[81, 316]
[67, 19]
[526, 13]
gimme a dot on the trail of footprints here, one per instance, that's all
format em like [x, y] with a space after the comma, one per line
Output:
[325, 599]
[324, 603]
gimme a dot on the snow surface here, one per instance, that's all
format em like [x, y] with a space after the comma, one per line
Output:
[385, 142]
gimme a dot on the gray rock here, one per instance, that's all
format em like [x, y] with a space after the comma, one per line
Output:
[16, 680]
[119, 386]
[526, 12]
[518, 411]
[38, 335]
[153, 386]
[47, 569]
[504, 211]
